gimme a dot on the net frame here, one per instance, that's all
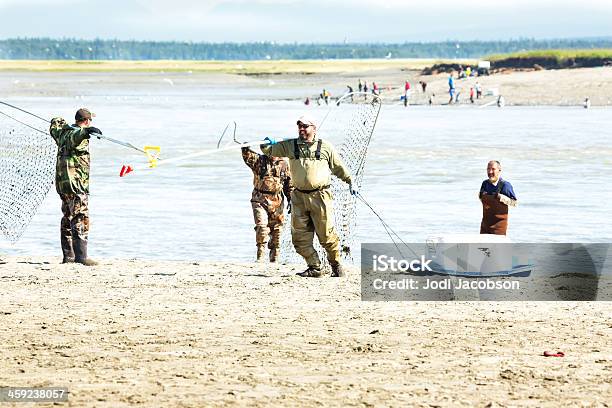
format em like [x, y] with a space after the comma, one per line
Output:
[27, 170]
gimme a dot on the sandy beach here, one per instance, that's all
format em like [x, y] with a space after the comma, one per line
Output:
[137, 332]
[178, 334]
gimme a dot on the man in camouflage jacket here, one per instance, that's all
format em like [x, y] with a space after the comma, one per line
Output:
[72, 183]
[271, 179]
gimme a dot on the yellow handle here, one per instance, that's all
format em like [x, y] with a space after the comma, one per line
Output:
[152, 155]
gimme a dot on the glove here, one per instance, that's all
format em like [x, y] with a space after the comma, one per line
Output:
[504, 199]
[353, 190]
[92, 129]
[270, 140]
[288, 207]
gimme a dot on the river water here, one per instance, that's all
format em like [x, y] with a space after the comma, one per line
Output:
[424, 169]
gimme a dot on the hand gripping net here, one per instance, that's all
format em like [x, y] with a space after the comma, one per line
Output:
[353, 124]
[27, 169]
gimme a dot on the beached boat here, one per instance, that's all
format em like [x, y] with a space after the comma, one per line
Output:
[477, 256]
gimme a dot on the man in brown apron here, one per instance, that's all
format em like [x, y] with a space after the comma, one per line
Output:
[496, 196]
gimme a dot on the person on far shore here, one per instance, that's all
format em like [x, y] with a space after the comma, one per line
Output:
[457, 95]
[349, 90]
[326, 96]
[360, 86]
[451, 88]
[375, 89]
[406, 93]
[423, 85]
[471, 94]
[478, 90]
[365, 91]
[496, 196]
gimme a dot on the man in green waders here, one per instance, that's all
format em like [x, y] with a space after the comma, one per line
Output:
[312, 161]
[72, 183]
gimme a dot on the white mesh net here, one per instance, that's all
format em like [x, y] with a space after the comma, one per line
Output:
[27, 169]
[353, 124]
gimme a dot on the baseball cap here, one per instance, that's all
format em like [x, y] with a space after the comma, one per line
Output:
[307, 120]
[83, 114]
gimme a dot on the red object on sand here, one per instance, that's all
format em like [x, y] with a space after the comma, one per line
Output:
[552, 354]
[125, 170]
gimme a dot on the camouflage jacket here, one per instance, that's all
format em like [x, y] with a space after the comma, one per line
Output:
[72, 168]
[270, 177]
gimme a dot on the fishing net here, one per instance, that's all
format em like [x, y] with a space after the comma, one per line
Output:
[353, 124]
[27, 169]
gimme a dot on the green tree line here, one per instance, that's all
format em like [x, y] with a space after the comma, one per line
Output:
[74, 49]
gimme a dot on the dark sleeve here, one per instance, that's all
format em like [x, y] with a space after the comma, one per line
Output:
[250, 158]
[287, 185]
[77, 135]
[482, 189]
[508, 190]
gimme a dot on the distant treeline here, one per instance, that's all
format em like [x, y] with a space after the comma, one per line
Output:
[541, 59]
[71, 49]
[554, 59]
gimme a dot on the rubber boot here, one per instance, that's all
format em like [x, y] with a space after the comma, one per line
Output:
[337, 270]
[261, 252]
[274, 255]
[80, 252]
[311, 272]
[274, 244]
[67, 249]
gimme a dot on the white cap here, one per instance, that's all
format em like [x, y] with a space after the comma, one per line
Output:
[307, 120]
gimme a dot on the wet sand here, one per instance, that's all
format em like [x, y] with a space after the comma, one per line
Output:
[567, 87]
[178, 334]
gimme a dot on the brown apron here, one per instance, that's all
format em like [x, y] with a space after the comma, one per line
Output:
[494, 214]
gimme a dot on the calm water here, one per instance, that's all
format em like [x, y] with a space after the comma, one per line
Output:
[424, 170]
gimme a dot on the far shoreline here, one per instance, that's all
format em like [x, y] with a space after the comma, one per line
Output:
[303, 79]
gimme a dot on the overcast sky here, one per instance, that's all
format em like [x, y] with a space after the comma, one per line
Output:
[305, 20]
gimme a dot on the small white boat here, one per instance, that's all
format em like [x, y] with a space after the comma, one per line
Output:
[477, 256]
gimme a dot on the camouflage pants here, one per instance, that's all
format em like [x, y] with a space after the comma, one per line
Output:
[314, 213]
[268, 223]
[75, 222]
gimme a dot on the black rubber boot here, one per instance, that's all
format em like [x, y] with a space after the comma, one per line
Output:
[67, 249]
[80, 252]
[274, 255]
[337, 270]
[311, 272]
